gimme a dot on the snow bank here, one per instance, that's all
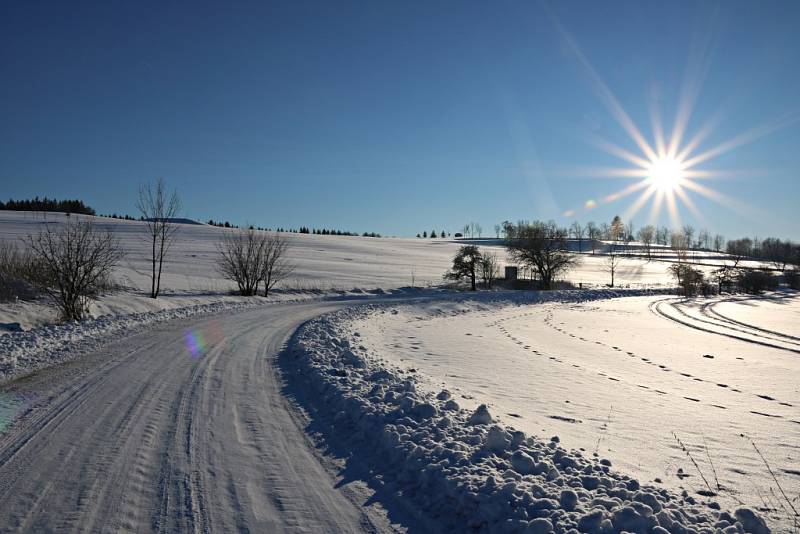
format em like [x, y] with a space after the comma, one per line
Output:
[24, 352]
[467, 470]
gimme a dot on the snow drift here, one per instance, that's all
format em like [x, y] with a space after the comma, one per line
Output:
[464, 468]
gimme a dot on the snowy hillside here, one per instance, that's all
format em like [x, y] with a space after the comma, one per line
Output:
[323, 263]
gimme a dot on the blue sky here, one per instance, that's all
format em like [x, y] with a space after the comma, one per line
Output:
[395, 117]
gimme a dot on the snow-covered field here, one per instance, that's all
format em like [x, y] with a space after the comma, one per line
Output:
[323, 263]
[633, 379]
[190, 278]
[662, 407]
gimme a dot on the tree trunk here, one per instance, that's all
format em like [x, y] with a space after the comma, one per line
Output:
[153, 276]
[160, 266]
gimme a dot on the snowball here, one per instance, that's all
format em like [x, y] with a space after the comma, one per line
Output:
[481, 416]
[649, 499]
[630, 520]
[568, 500]
[451, 406]
[751, 521]
[425, 410]
[497, 439]
[591, 521]
[539, 526]
[522, 463]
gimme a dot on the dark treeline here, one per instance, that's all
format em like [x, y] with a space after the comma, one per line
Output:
[434, 235]
[301, 230]
[226, 224]
[327, 231]
[48, 204]
[122, 217]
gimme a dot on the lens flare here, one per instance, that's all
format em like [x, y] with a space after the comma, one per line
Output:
[199, 341]
[195, 343]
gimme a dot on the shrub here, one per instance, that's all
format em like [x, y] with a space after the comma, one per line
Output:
[792, 278]
[757, 281]
[73, 264]
[690, 280]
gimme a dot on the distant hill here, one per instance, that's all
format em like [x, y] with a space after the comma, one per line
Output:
[181, 220]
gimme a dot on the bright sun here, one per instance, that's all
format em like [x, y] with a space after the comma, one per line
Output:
[666, 174]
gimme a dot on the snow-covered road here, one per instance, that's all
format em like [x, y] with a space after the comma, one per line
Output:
[181, 428]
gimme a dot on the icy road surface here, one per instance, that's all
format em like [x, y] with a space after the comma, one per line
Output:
[182, 428]
[627, 378]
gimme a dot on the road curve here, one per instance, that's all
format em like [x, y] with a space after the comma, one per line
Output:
[145, 436]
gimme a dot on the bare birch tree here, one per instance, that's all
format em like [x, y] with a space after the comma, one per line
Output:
[158, 209]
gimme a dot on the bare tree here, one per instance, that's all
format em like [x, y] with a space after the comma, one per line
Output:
[605, 231]
[541, 247]
[688, 233]
[489, 268]
[646, 236]
[612, 262]
[779, 253]
[662, 236]
[679, 245]
[508, 229]
[75, 262]
[275, 265]
[18, 271]
[704, 239]
[617, 228]
[719, 242]
[478, 229]
[593, 232]
[578, 231]
[158, 209]
[497, 229]
[690, 280]
[465, 265]
[738, 249]
[241, 259]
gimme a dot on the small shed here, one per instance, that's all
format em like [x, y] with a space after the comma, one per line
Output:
[511, 272]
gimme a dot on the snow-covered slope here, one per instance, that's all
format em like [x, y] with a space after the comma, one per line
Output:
[634, 379]
[190, 276]
[393, 383]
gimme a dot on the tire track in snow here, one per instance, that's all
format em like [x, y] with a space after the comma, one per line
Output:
[709, 309]
[138, 437]
[656, 308]
[548, 320]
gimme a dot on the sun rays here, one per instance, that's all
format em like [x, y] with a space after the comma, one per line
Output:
[667, 169]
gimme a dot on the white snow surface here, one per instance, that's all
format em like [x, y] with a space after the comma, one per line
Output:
[407, 387]
[24, 352]
[323, 263]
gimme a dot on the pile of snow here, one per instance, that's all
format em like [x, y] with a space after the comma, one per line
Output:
[465, 468]
[24, 352]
